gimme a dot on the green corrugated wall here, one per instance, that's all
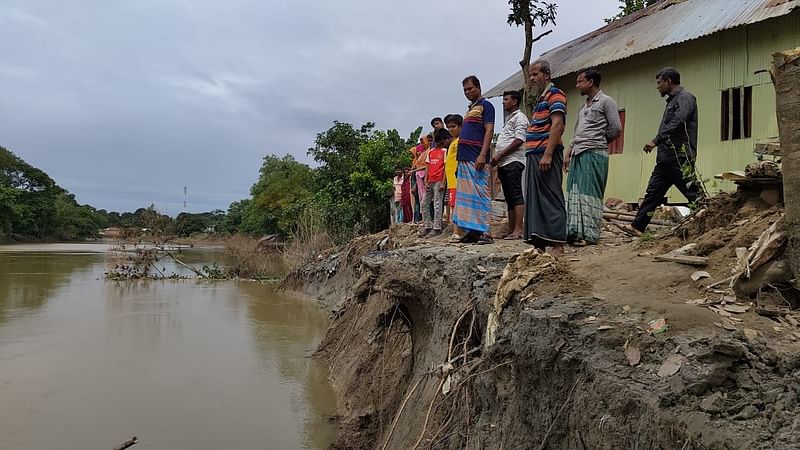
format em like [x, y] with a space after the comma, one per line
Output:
[708, 65]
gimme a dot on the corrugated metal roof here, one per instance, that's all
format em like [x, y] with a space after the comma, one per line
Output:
[666, 23]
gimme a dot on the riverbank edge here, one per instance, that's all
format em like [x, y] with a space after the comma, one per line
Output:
[555, 378]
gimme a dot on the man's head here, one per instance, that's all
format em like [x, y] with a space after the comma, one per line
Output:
[428, 140]
[454, 122]
[442, 137]
[667, 80]
[511, 101]
[437, 123]
[539, 74]
[588, 81]
[398, 172]
[472, 88]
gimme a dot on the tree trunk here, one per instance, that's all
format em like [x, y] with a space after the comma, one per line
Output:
[786, 76]
[527, 94]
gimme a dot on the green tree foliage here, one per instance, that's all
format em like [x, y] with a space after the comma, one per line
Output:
[186, 224]
[34, 206]
[629, 7]
[283, 183]
[349, 189]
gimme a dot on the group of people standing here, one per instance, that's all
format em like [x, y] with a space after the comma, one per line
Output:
[452, 165]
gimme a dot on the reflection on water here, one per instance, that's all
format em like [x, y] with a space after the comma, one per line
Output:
[86, 363]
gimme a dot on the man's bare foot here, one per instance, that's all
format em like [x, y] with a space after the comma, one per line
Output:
[557, 251]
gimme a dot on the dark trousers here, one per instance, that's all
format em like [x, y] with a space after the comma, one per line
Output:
[665, 175]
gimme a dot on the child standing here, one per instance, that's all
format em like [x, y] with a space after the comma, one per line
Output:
[453, 123]
[434, 185]
[397, 210]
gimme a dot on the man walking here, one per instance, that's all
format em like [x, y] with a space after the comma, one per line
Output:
[677, 150]
[510, 161]
[473, 193]
[545, 212]
[587, 159]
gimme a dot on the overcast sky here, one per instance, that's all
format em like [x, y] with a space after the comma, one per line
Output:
[125, 102]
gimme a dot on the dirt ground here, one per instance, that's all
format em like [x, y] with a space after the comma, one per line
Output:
[573, 363]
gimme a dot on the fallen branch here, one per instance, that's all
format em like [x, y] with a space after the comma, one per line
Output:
[682, 259]
[199, 274]
[630, 218]
[127, 444]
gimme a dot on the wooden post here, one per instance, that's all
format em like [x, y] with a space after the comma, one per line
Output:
[786, 76]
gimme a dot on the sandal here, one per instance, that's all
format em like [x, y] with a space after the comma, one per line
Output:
[512, 237]
[470, 238]
[629, 230]
[484, 239]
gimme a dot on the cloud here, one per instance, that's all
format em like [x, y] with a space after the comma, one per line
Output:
[125, 102]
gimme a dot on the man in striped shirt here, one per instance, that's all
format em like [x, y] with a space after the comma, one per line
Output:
[545, 211]
[473, 193]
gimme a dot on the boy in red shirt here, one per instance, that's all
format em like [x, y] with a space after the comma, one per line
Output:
[435, 185]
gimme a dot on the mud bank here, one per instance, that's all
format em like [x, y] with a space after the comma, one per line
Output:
[573, 365]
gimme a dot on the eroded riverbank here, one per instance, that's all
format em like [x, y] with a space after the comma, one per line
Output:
[573, 366]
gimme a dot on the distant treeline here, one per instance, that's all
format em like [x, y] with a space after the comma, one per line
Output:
[347, 194]
[33, 207]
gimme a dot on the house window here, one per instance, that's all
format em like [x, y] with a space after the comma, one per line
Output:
[737, 113]
[615, 147]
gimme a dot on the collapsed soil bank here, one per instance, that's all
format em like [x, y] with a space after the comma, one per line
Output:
[558, 376]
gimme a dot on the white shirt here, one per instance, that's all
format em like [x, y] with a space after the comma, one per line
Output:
[515, 126]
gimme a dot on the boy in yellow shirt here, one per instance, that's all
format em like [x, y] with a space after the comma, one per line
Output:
[453, 123]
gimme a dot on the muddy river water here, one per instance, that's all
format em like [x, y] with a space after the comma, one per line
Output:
[87, 363]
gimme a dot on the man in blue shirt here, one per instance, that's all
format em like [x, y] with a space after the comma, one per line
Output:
[473, 197]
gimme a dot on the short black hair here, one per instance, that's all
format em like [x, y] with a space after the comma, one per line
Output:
[592, 75]
[436, 119]
[669, 73]
[544, 66]
[453, 118]
[472, 79]
[515, 95]
[441, 135]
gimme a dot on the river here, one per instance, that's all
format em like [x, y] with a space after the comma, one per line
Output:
[87, 363]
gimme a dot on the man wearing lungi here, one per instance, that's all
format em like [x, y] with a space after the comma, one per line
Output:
[473, 193]
[586, 161]
[545, 212]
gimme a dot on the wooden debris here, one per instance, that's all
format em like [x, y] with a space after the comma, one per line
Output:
[700, 274]
[771, 313]
[690, 260]
[736, 309]
[791, 320]
[605, 328]
[768, 148]
[698, 301]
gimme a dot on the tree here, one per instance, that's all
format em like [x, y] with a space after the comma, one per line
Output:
[629, 7]
[786, 76]
[529, 13]
[354, 177]
[282, 184]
